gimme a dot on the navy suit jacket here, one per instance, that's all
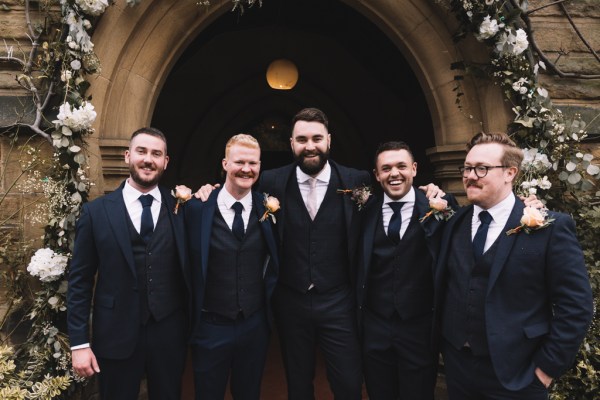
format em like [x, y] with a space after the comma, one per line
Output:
[199, 218]
[275, 183]
[103, 257]
[431, 227]
[538, 303]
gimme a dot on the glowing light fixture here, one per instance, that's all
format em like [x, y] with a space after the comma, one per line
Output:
[282, 74]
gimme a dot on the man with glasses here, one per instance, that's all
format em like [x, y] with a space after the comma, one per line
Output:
[513, 297]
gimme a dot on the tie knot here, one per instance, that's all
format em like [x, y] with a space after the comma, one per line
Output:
[146, 200]
[485, 217]
[312, 182]
[237, 207]
[396, 206]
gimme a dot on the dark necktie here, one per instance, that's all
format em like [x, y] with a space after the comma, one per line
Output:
[238, 222]
[481, 235]
[147, 226]
[395, 222]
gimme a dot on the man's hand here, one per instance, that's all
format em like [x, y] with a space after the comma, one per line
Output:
[84, 362]
[205, 191]
[545, 379]
[432, 190]
[532, 201]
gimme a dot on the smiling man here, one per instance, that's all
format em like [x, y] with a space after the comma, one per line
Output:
[130, 265]
[234, 269]
[514, 304]
[397, 254]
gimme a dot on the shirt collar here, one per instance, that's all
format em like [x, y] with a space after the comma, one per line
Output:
[131, 194]
[407, 198]
[227, 199]
[323, 176]
[500, 211]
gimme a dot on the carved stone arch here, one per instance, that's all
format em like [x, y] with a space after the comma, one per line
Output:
[138, 46]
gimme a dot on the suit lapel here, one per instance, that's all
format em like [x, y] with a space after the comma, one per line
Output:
[505, 243]
[176, 223]
[265, 226]
[345, 183]
[372, 217]
[208, 215]
[116, 213]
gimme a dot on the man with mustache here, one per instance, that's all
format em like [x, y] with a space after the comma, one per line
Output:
[130, 268]
[511, 287]
[234, 269]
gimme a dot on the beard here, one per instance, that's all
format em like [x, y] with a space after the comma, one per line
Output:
[143, 182]
[312, 166]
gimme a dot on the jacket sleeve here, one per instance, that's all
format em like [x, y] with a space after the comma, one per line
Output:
[82, 272]
[570, 295]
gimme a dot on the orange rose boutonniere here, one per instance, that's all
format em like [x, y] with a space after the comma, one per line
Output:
[182, 194]
[533, 219]
[271, 206]
[439, 209]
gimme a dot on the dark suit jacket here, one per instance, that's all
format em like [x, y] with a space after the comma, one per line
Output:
[432, 228]
[275, 183]
[199, 222]
[103, 256]
[538, 304]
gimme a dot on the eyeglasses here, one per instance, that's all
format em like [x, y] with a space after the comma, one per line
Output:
[480, 170]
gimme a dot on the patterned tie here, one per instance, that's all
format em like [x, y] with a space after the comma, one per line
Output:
[311, 200]
[238, 222]
[481, 235]
[147, 226]
[395, 222]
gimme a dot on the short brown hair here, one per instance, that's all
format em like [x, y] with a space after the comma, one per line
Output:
[310, 115]
[241, 139]
[391, 146]
[152, 132]
[513, 155]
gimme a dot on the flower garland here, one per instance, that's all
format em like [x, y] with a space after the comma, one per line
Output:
[41, 366]
[550, 140]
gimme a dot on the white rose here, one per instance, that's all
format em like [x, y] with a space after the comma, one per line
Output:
[488, 28]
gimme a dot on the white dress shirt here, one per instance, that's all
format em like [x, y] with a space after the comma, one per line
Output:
[134, 206]
[322, 184]
[405, 213]
[225, 200]
[500, 213]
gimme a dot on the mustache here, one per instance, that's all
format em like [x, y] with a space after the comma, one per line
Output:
[472, 183]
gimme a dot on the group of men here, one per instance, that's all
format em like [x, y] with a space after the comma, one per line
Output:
[380, 284]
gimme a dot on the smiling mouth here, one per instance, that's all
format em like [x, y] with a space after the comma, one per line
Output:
[395, 182]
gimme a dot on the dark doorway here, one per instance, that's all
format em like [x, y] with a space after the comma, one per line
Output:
[348, 67]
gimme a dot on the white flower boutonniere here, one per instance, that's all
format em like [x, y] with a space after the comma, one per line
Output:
[359, 195]
[533, 219]
[439, 209]
[182, 194]
[271, 206]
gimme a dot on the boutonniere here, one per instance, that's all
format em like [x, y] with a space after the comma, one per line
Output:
[439, 209]
[533, 219]
[359, 195]
[182, 194]
[271, 206]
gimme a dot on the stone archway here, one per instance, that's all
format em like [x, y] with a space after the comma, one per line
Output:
[138, 47]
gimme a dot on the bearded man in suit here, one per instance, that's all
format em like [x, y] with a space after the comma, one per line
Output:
[511, 286]
[130, 268]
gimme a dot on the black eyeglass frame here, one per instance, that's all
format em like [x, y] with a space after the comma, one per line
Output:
[481, 171]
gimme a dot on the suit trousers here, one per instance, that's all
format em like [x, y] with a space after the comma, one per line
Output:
[159, 354]
[326, 320]
[398, 356]
[471, 377]
[222, 347]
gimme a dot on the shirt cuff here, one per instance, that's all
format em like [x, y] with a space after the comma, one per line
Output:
[80, 346]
